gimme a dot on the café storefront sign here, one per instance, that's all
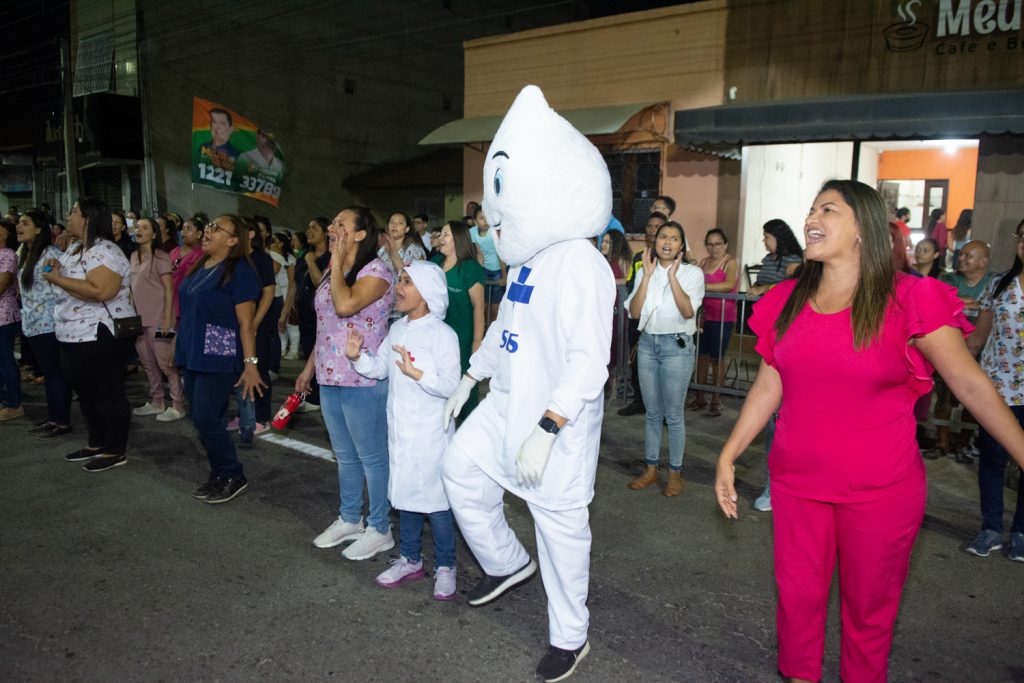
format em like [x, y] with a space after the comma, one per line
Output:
[956, 27]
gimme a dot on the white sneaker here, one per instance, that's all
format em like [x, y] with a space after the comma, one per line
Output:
[306, 407]
[444, 583]
[291, 355]
[147, 410]
[339, 532]
[170, 415]
[369, 543]
[400, 571]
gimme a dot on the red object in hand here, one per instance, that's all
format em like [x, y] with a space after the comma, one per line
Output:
[284, 415]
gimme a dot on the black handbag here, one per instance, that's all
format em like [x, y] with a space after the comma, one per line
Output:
[129, 327]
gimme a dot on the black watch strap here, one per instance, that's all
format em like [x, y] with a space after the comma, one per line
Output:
[549, 425]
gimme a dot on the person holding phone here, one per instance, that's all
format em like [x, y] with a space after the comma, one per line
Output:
[666, 294]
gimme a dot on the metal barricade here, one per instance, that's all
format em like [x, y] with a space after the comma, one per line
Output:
[740, 359]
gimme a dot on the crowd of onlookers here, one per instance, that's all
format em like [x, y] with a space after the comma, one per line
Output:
[67, 290]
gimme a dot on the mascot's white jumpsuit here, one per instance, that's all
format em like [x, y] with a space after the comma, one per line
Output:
[547, 350]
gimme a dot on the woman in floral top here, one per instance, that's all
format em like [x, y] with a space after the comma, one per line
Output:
[10, 381]
[37, 320]
[354, 293]
[92, 289]
[1000, 329]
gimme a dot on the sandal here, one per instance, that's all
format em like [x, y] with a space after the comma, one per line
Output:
[696, 404]
[716, 410]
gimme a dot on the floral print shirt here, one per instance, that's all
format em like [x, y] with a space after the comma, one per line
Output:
[37, 301]
[9, 299]
[1003, 355]
[333, 368]
[77, 319]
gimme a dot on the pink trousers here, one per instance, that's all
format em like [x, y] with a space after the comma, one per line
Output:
[872, 542]
[156, 355]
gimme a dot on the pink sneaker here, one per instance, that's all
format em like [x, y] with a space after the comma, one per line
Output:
[400, 571]
[444, 583]
[233, 425]
[261, 428]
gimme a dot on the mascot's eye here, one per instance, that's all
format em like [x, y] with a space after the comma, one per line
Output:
[497, 181]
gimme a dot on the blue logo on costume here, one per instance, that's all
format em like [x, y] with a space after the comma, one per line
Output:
[519, 292]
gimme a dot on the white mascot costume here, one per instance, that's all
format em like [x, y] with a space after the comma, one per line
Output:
[537, 433]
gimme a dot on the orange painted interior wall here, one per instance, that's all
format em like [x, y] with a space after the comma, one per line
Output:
[960, 168]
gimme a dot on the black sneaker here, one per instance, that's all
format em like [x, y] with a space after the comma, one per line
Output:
[227, 488]
[491, 587]
[54, 431]
[203, 491]
[559, 664]
[104, 462]
[634, 408]
[41, 427]
[82, 454]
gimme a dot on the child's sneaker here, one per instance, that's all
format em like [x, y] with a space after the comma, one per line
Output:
[400, 571]
[444, 583]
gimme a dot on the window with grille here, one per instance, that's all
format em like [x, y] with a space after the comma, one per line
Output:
[636, 182]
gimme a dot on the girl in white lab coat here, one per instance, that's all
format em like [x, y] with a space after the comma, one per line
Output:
[420, 357]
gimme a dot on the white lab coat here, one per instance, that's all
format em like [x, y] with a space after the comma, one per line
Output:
[415, 410]
[548, 354]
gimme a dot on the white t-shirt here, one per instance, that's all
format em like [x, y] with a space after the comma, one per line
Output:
[660, 315]
[76, 319]
[281, 277]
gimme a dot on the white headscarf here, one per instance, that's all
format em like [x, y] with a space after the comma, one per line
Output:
[432, 285]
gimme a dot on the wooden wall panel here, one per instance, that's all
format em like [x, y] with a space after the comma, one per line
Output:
[788, 49]
[675, 53]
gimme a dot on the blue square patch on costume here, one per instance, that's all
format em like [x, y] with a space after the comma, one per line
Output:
[520, 292]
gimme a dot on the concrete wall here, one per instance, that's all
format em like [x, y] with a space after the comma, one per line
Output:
[999, 195]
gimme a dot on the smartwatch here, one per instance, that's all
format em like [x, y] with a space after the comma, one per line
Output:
[548, 425]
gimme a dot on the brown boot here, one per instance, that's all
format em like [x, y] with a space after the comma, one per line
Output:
[674, 485]
[650, 476]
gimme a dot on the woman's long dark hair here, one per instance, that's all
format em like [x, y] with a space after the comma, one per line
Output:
[465, 250]
[31, 253]
[877, 277]
[1014, 271]
[619, 250]
[285, 241]
[366, 250]
[933, 220]
[97, 221]
[239, 252]
[963, 225]
[785, 241]
[936, 269]
[411, 236]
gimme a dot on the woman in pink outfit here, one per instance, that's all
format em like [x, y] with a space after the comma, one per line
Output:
[852, 345]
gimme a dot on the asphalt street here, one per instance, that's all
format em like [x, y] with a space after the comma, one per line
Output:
[123, 576]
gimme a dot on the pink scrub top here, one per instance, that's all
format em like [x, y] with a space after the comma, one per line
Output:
[846, 427]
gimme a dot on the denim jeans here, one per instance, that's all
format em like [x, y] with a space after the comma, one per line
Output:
[246, 414]
[208, 392]
[665, 370]
[442, 528]
[58, 391]
[356, 421]
[10, 379]
[991, 473]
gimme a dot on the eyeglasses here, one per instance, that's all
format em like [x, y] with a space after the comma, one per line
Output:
[1016, 238]
[214, 228]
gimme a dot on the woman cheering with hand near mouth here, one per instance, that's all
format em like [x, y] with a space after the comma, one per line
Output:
[666, 295]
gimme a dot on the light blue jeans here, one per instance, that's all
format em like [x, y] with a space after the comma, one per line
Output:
[356, 420]
[665, 370]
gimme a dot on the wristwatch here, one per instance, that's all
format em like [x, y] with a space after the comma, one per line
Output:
[251, 360]
[548, 425]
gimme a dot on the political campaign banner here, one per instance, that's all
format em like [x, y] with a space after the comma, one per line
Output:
[233, 154]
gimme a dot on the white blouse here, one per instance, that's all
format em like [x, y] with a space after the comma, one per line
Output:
[77, 319]
[660, 315]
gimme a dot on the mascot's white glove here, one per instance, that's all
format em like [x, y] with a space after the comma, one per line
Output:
[533, 457]
[453, 406]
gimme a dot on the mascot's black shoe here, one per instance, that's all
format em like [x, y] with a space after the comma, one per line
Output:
[559, 664]
[491, 587]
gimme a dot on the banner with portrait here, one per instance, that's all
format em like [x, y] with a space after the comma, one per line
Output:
[233, 154]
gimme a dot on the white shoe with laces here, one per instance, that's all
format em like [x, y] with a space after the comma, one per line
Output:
[369, 543]
[444, 583]
[339, 532]
[147, 409]
[170, 415]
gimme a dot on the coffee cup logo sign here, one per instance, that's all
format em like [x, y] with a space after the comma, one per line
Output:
[961, 26]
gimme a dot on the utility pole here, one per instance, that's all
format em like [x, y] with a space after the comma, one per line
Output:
[70, 158]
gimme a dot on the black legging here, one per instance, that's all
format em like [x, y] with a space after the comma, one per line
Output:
[268, 350]
[96, 371]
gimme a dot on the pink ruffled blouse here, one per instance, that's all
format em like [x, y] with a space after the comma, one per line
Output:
[846, 427]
